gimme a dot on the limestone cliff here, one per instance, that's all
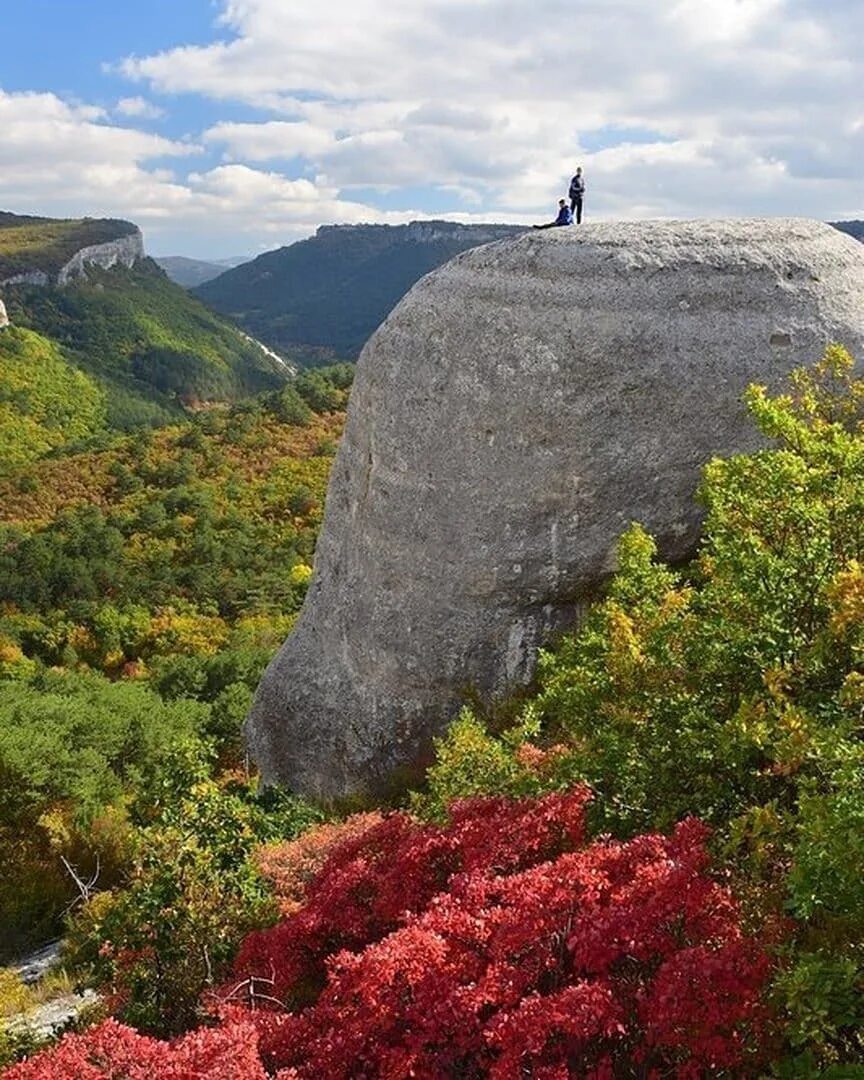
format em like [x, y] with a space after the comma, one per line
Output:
[515, 412]
[27, 277]
[4, 318]
[124, 251]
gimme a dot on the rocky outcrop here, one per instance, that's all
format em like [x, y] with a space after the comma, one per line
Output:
[4, 318]
[53, 1015]
[125, 251]
[289, 369]
[516, 411]
[28, 277]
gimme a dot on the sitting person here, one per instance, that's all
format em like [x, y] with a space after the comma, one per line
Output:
[565, 217]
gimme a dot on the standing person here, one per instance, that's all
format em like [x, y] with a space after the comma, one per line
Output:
[577, 194]
[565, 217]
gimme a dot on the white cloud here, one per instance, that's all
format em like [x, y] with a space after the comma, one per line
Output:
[494, 97]
[138, 107]
[723, 21]
[720, 107]
[269, 140]
[56, 157]
[65, 159]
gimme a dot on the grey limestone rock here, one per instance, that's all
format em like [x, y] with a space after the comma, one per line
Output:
[125, 251]
[518, 409]
[29, 277]
[4, 318]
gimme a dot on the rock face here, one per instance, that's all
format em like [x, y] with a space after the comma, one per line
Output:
[29, 277]
[125, 251]
[518, 409]
[4, 318]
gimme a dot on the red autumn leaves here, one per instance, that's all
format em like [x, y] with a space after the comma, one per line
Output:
[498, 945]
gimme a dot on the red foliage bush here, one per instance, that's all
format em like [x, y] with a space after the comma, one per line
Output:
[618, 955]
[372, 881]
[498, 946]
[112, 1051]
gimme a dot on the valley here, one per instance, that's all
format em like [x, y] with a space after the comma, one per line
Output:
[431, 540]
[320, 299]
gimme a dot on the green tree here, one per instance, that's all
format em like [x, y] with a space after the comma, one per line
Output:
[156, 945]
[73, 750]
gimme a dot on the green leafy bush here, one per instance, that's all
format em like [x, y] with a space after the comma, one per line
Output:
[73, 749]
[732, 691]
[157, 944]
[291, 408]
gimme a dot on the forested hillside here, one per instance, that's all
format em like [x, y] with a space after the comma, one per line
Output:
[150, 349]
[144, 584]
[647, 864]
[153, 348]
[854, 228]
[45, 402]
[35, 243]
[322, 298]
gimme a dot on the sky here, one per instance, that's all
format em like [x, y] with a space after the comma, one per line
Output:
[230, 127]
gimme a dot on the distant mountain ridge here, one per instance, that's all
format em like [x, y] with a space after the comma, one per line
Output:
[321, 299]
[854, 228]
[191, 272]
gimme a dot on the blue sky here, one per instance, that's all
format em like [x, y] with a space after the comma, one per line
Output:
[233, 126]
[73, 48]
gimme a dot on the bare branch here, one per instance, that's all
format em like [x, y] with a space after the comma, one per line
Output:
[85, 888]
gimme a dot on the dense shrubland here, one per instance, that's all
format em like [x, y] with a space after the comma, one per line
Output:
[653, 867]
[501, 944]
[144, 585]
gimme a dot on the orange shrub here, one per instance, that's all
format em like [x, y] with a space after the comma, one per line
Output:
[291, 866]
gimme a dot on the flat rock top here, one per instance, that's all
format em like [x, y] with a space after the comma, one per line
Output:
[695, 232]
[674, 243]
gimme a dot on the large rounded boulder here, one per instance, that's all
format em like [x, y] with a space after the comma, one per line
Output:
[518, 409]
